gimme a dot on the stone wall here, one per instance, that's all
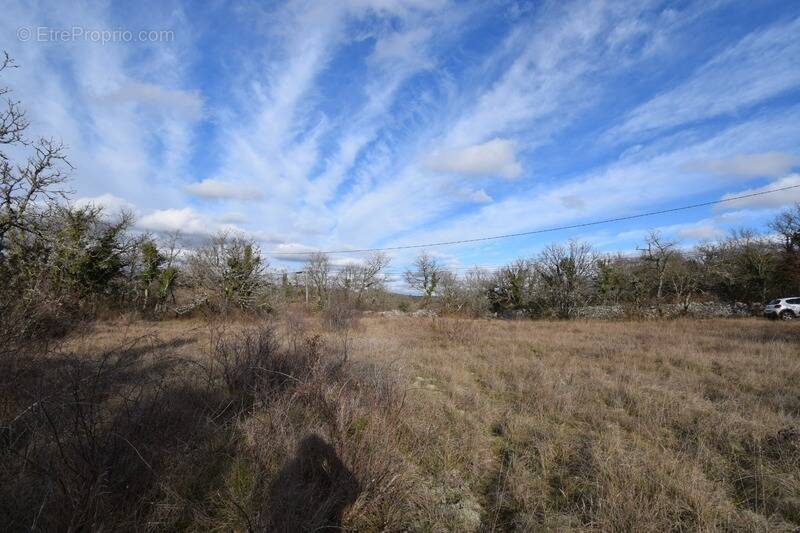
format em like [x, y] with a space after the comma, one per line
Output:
[695, 309]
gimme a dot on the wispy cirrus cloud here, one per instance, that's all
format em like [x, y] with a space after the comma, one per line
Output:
[634, 183]
[764, 64]
[320, 125]
[127, 123]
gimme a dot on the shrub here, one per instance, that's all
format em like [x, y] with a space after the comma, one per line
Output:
[247, 436]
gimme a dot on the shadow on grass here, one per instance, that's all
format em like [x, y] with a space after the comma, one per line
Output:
[88, 441]
[312, 490]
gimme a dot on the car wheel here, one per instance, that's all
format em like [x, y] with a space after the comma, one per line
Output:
[787, 315]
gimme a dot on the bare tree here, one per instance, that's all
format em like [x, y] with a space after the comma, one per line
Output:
[685, 278]
[757, 263]
[743, 267]
[359, 279]
[372, 276]
[566, 273]
[13, 122]
[451, 291]
[477, 284]
[425, 276]
[787, 226]
[29, 186]
[658, 254]
[318, 270]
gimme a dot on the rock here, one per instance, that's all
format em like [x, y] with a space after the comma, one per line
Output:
[394, 313]
[183, 310]
[513, 314]
[600, 311]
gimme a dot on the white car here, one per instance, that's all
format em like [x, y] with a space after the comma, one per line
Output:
[783, 308]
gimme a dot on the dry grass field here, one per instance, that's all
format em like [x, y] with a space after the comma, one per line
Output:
[430, 424]
[608, 426]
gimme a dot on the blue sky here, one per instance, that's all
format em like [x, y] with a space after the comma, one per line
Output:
[365, 123]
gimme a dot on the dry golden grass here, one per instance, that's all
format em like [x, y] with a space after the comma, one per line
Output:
[609, 426]
[470, 425]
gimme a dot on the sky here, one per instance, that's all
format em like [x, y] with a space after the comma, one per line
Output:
[372, 123]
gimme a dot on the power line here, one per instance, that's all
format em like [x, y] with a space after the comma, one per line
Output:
[545, 230]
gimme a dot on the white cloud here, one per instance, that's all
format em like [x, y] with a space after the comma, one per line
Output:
[768, 164]
[211, 188]
[699, 232]
[492, 158]
[645, 179]
[292, 252]
[405, 46]
[778, 199]
[111, 204]
[233, 218]
[572, 201]
[186, 220]
[707, 229]
[188, 104]
[479, 196]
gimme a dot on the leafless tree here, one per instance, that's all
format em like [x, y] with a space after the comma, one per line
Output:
[685, 280]
[13, 122]
[757, 262]
[372, 276]
[745, 266]
[477, 284]
[30, 187]
[658, 254]
[566, 272]
[318, 273]
[787, 226]
[452, 292]
[425, 276]
[359, 279]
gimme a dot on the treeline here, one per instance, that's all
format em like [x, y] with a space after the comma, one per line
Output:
[747, 267]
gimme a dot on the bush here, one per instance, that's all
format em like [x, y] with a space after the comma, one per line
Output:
[250, 435]
[243, 357]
